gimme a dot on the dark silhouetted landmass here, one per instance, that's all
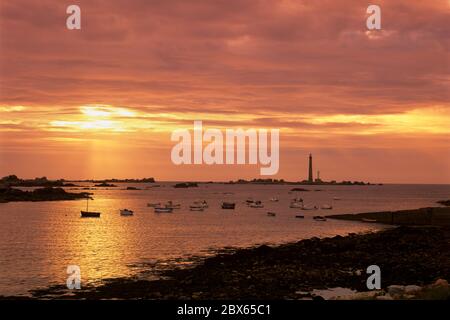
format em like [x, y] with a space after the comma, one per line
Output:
[14, 181]
[304, 182]
[186, 185]
[144, 180]
[41, 194]
[444, 203]
[424, 216]
[105, 184]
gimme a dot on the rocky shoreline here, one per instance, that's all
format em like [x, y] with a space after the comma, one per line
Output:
[406, 255]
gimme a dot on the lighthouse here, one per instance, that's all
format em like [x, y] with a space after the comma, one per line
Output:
[310, 173]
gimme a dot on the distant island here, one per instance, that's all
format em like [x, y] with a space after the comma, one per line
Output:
[303, 182]
[144, 180]
[186, 185]
[41, 194]
[14, 181]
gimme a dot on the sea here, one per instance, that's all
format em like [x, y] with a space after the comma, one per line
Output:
[40, 240]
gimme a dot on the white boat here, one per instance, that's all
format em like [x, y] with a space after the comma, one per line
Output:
[327, 207]
[163, 210]
[172, 205]
[274, 199]
[296, 205]
[126, 212]
[201, 204]
[153, 204]
[369, 220]
[257, 204]
[309, 208]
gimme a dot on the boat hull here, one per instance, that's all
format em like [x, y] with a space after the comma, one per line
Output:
[89, 214]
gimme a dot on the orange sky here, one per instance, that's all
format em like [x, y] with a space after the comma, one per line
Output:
[103, 101]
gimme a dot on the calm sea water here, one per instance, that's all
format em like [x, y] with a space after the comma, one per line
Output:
[39, 240]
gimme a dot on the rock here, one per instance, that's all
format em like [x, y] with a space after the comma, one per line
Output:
[412, 289]
[396, 290]
[441, 283]
[385, 297]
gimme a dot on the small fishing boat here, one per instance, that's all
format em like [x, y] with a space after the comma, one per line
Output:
[369, 220]
[296, 205]
[336, 198]
[319, 218]
[249, 201]
[327, 207]
[202, 204]
[153, 204]
[228, 205]
[193, 208]
[163, 210]
[271, 214]
[172, 205]
[309, 208]
[257, 204]
[299, 216]
[89, 214]
[274, 199]
[126, 212]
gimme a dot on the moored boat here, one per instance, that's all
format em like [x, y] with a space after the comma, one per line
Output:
[163, 210]
[327, 207]
[90, 214]
[87, 213]
[319, 218]
[153, 204]
[126, 212]
[299, 216]
[228, 205]
[257, 204]
[271, 214]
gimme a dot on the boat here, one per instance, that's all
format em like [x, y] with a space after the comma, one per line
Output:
[126, 212]
[319, 218]
[271, 214]
[299, 216]
[296, 205]
[274, 199]
[249, 201]
[228, 205]
[193, 208]
[257, 204]
[89, 214]
[336, 198]
[327, 207]
[172, 205]
[163, 210]
[309, 208]
[153, 204]
[202, 204]
[369, 220]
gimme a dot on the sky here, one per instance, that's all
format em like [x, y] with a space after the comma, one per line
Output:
[103, 101]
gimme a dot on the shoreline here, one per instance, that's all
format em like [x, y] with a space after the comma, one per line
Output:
[407, 255]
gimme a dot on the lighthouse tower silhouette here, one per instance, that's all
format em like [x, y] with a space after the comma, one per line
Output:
[310, 175]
